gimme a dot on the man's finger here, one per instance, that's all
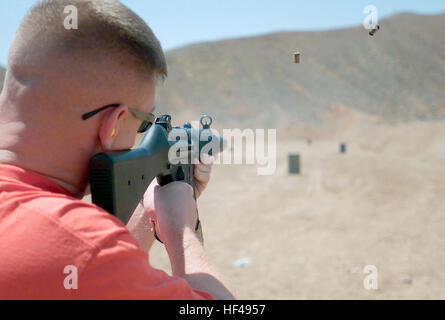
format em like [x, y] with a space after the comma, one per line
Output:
[208, 160]
[202, 176]
[203, 167]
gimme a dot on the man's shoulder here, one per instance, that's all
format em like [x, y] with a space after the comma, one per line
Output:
[63, 214]
[83, 220]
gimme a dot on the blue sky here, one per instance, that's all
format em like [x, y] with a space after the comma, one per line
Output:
[181, 22]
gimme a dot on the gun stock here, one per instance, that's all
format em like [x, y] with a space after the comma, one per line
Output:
[120, 179]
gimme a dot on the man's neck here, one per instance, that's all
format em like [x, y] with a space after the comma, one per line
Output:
[9, 157]
[72, 189]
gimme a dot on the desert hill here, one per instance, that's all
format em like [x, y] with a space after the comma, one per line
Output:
[397, 74]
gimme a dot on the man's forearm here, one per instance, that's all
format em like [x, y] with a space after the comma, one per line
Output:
[188, 261]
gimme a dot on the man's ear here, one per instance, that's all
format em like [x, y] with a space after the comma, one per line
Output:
[109, 129]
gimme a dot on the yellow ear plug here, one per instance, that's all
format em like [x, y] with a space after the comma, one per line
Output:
[113, 133]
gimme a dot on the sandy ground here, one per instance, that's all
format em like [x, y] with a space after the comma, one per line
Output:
[310, 236]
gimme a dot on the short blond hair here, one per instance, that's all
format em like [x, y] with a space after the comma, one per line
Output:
[102, 24]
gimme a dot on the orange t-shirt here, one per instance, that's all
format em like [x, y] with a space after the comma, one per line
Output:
[52, 243]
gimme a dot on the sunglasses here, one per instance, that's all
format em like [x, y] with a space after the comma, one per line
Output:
[147, 118]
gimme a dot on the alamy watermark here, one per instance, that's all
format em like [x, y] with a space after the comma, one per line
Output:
[71, 280]
[72, 19]
[371, 21]
[234, 146]
[371, 280]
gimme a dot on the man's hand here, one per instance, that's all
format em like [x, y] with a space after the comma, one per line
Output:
[168, 210]
[171, 209]
[141, 224]
[203, 170]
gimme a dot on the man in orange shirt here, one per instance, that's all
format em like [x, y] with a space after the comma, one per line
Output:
[52, 244]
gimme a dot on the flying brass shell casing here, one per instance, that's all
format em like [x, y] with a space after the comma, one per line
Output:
[374, 31]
